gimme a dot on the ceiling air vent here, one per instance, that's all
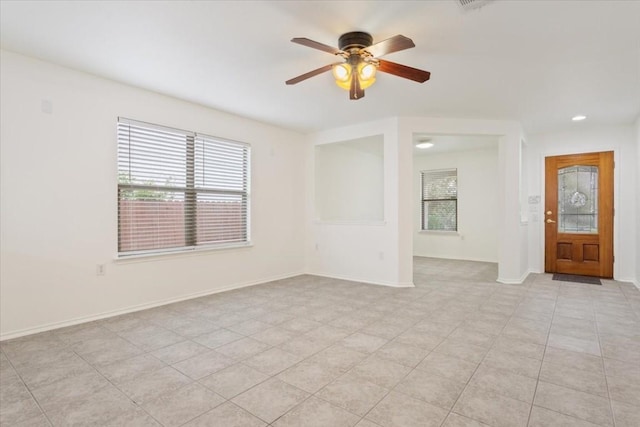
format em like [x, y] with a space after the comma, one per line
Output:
[472, 4]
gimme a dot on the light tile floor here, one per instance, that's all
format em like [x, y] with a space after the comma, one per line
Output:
[459, 350]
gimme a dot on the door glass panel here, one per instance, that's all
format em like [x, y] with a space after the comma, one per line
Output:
[578, 199]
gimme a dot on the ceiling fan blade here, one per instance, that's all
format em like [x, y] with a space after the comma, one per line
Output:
[400, 70]
[316, 45]
[394, 44]
[355, 91]
[310, 74]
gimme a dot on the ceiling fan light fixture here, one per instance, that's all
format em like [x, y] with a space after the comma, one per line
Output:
[367, 83]
[366, 74]
[342, 72]
[366, 71]
[362, 61]
[344, 85]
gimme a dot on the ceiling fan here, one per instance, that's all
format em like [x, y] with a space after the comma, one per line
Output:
[361, 61]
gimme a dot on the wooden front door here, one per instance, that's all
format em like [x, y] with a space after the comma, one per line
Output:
[578, 217]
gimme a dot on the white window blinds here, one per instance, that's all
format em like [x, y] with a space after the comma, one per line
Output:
[440, 200]
[179, 190]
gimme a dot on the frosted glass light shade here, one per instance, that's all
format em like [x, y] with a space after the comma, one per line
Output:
[342, 72]
[367, 71]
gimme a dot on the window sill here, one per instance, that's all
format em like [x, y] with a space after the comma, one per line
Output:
[439, 233]
[157, 256]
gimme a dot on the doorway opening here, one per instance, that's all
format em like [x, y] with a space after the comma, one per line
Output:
[455, 203]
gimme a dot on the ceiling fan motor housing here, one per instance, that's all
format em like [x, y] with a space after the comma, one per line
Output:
[354, 39]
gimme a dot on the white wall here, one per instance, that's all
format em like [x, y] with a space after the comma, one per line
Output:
[477, 236]
[349, 179]
[623, 141]
[637, 168]
[58, 200]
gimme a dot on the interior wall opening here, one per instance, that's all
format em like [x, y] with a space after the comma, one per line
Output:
[455, 204]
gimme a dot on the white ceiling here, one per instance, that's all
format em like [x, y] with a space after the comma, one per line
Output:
[540, 62]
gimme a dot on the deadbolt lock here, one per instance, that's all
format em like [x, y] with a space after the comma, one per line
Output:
[549, 212]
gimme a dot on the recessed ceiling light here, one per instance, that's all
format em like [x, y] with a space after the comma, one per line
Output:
[424, 145]
[578, 118]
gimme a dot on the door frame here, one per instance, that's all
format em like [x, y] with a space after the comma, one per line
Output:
[616, 196]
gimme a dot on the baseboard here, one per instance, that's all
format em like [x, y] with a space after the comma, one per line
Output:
[633, 281]
[458, 259]
[139, 307]
[367, 281]
[517, 281]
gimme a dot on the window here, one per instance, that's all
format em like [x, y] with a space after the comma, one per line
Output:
[179, 190]
[440, 200]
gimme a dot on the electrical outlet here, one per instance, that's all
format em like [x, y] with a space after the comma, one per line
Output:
[381, 255]
[100, 269]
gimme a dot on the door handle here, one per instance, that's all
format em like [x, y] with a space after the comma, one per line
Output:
[550, 221]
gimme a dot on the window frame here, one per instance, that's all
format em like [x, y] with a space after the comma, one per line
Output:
[190, 193]
[423, 200]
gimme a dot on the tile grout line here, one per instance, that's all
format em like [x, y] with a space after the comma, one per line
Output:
[340, 376]
[118, 388]
[483, 358]
[604, 370]
[470, 376]
[432, 351]
[278, 373]
[544, 353]
[352, 368]
[363, 417]
[458, 292]
[46, 416]
[575, 389]
[240, 361]
[149, 353]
